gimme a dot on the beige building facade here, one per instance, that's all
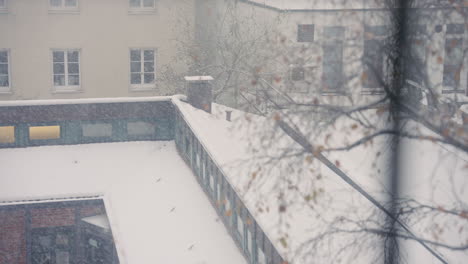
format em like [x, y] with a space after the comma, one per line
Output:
[53, 49]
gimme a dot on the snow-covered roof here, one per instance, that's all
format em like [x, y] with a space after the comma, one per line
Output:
[157, 211]
[248, 158]
[318, 4]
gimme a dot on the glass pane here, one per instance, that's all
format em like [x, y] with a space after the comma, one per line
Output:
[58, 56]
[134, 3]
[73, 56]
[3, 68]
[453, 51]
[97, 130]
[59, 80]
[334, 32]
[136, 78]
[73, 80]
[135, 55]
[149, 55]
[149, 66]
[135, 66]
[2, 3]
[3, 56]
[56, 3]
[70, 3]
[149, 77]
[62, 257]
[41, 133]
[148, 3]
[305, 33]
[73, 68]
[59, 68]
[4, 81]
[455, 28]
[7, 134]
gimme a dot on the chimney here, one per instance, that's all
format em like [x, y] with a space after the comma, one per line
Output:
[199, 92]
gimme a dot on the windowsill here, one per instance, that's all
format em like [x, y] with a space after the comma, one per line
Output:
[62, 90]
[453, 91]
[142, 88]
[64, 11]
[142, 11]
[372, 91]
[5, 91]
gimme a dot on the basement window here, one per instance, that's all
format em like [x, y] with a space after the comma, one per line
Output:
[44, 132]
[7, 134]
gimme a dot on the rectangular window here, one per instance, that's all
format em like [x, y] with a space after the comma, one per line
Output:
[140, 128]
[249, 242]
[240, 226]
[142, 6]
[7, 134]
[305, 33]
[453, 59]
[297, 73]
[3, 6]
[142, 69]
[66, 70]
[44, 132]
[97, 130]
[374, 57]
[4, 71]
[332, 67]
[63, 5]
[261, 258]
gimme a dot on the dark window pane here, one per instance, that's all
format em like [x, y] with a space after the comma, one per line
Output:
[134, 3]
[70, 3]
[135, 67]
[453, 51]
[373, 63]
[4, 81]
[56, 3]
[297, 74]
[148, 3]
[73, 56]
[376, 31]
[3, 56]
[149, 66]
[332, 67]
[305, 33]
[149, 55]
[59, 68]
[3, 68]
[135, 78]
[73, 80]
[59, 80]
[149, 77]
[334, 32]
[135, 55]
[58, 56]
[73, 68]
[451, 76]
[455, 28]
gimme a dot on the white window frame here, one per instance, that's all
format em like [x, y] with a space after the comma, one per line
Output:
[62, 8]
[141, 9]
[4, 7]
[66, 88]
[143, 86]
[7, 89]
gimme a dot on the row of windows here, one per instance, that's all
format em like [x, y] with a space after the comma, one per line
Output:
[66, 70]
[88, 130]
[253, 242]
[73, 5]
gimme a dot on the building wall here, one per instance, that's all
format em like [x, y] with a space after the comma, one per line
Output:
[104, 31]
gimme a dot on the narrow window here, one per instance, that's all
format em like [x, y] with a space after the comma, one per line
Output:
[332, 68]
[63, 5]
[261, 258]
[305, 33]
[66, 69]
[142, 6]
[4, 71]
[7, 134]
[142, 69]
[3, 6]
[453, 59]
[44, 132]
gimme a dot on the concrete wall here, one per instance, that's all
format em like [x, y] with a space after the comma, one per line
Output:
[104, 31]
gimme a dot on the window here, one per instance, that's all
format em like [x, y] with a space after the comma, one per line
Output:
[373, 57]
[297, 73]
[332, 68]
[453, 60]
[7, 134]
[142, 6]
[52, 245]
[416, 71]
[261, 258]
[240, 226]
[249, 242]
[4, 71]
[3, 6]
[140, 128]
[66, 70]
[142, 69]
[63, 5]
[98, 130]
[305, 33]
[44, 132]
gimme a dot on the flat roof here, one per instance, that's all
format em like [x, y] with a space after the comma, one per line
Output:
[157, 211]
